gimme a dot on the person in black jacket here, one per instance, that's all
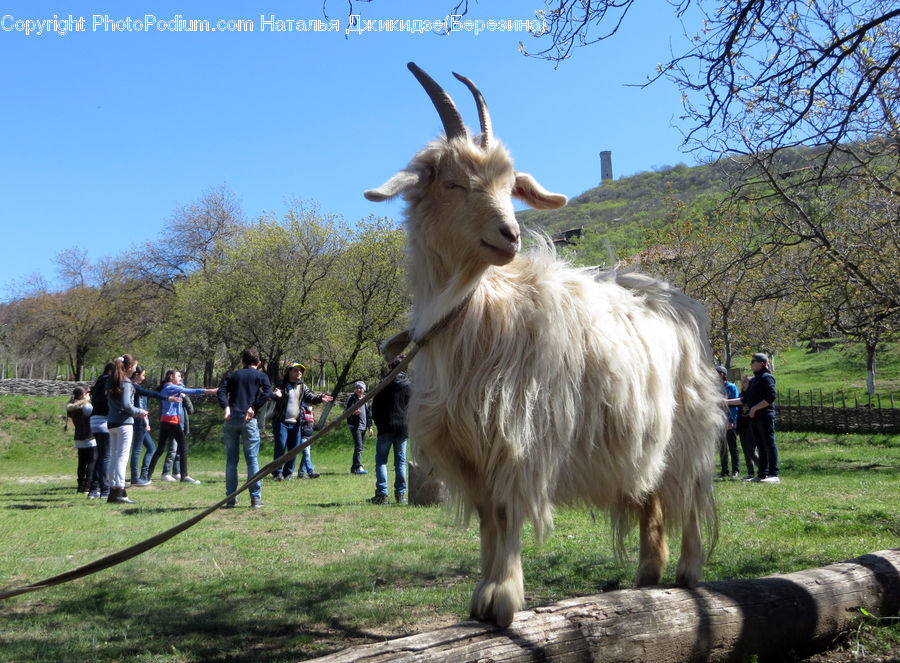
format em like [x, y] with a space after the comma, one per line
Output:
[99, 487]
[760, 399]
[289, 420]
[79, 409]
[748, 445]
[241, 394]
[359, 423]
[389, 410]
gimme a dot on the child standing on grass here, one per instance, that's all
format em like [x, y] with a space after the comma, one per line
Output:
[79, 409]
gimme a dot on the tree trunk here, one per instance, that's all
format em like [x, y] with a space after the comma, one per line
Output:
[870, 367]
[719, 621]
[208, 369]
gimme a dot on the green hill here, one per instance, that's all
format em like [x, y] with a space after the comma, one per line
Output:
[619, 211]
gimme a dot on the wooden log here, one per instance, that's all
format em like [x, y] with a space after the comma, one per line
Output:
[719, 621]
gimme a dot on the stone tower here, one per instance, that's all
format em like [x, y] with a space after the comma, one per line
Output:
[605, 166]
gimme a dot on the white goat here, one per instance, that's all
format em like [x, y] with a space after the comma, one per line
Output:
[553, 385]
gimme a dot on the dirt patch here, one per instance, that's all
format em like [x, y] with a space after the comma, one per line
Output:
[42, 479]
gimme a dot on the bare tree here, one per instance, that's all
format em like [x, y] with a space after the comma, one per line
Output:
[723, 258]
[194, 235]
[804, 98]
[96, 310]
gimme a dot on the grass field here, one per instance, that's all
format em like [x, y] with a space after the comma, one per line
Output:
[318, 569]
[841, 368]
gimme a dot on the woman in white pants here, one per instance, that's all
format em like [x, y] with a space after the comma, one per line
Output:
[120, 422]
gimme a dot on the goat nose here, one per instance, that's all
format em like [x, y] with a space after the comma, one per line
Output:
[510, 233]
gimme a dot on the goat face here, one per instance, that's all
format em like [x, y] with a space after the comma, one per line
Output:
[462, 206]
[459, 188]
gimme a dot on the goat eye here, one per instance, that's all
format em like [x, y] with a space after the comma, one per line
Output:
[454, 185]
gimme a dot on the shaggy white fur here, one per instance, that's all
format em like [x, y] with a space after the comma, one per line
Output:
[554, 385]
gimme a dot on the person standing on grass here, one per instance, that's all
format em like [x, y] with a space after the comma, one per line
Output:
[120, 422]
[306, 432]
[389, 410]
[359, 423]
[79, 409]
[760, 401]
[748, 445]
[170, 424]
[288, 419]
[99, 487]
[728, 440]
[241, 394]
[172, 463]
[141, 437]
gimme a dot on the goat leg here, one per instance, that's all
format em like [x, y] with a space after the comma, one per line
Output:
[501, 591]
[654, 552]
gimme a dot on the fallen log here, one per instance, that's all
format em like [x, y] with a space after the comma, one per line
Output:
[800, 612]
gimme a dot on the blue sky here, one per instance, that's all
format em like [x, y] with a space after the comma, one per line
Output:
[105, 133]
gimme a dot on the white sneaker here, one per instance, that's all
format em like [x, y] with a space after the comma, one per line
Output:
[771, 480]
[187, 479]
[168, 477]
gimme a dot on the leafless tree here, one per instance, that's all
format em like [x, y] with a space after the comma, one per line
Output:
[194, 235]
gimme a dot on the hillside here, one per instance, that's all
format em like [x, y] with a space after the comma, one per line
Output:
[619, 211]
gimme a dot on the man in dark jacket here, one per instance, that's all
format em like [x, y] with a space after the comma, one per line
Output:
[359, 423]
[760, 399]
[241, 394]
[389, 408]
[288, 420]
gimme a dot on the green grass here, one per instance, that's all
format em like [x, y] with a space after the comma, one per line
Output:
[840, 368]
[318, 569]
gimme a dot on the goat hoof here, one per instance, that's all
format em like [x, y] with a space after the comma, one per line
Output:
[648, 575]
[687, 576]
[497, 602]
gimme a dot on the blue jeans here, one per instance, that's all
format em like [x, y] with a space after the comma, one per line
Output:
[101, 468]
[306, 466]
[286, 437]
[141, 439]
[383, 446]
[359, 444]
[241, 434]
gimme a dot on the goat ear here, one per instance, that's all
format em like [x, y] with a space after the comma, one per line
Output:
[529, 191]
[398, 184]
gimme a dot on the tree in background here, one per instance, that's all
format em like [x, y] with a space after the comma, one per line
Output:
[723, 260]
[851, 278]
[367, 304]
[190, 240]
[264, 288]
[804, 98]
[96, 313]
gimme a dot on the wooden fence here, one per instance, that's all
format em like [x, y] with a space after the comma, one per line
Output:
[836, 412]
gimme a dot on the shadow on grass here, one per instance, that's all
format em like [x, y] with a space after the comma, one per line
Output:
[262, 619]
[836, 467]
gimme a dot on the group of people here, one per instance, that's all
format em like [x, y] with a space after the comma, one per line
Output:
[112, 425]
[244, 392]
[751, 416]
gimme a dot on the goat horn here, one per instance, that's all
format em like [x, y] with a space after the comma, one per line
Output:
[487, 132]
[453, 124]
